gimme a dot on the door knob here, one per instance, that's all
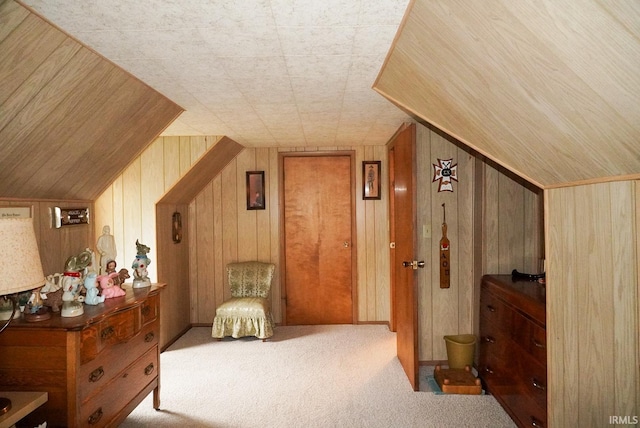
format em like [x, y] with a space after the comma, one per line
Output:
[414, 264]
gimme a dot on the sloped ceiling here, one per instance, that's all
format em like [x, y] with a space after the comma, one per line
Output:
[266, 73]
[549, 89]
[70, 121]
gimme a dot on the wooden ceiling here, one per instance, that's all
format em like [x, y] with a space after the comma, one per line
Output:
[548, 89]
[70, 121]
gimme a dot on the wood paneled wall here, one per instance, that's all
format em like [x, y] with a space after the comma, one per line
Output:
[510, 237]
[128, 206]
[56, 245]
[224, 231]
[70, 120]
[592, 235]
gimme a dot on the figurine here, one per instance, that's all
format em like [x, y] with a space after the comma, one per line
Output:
[71, 300]
[52, 291]
[123, 274]
[109, 289]
[139, 266]
[92, 297]
[106, 246]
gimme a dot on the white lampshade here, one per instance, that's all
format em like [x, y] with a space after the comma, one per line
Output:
[20, 265]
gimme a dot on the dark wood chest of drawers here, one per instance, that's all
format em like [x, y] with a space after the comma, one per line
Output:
[96, 367]
[512, 351]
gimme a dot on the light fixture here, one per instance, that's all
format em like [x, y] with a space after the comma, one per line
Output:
[20, 267]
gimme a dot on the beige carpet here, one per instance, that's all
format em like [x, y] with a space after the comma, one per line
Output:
[305, 376]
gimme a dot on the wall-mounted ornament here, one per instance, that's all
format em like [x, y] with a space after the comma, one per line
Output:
[445, 172]
[371, 180]
[70, 216]
[255, 190]
[176, 227]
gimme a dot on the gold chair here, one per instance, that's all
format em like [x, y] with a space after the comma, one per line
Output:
[248, 311]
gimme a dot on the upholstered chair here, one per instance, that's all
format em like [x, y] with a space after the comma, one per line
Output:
[248, 311]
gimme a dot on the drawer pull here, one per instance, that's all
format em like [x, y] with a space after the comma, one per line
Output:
[537, 384]
[491, 308]
[488, 370]
[149, 337]
[96, 374]
[490, 339]
[149, 369]
[536, 423]
[145, 311]
[538, 344]
[95, 417]
[107, 332]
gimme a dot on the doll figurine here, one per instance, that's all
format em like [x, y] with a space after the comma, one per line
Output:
[71, 299]
[90, 283]
[109, 289]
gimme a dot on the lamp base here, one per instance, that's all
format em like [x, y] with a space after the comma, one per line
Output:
[41, 314]
[5, 405]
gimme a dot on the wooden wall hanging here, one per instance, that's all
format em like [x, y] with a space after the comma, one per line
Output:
[445, 259]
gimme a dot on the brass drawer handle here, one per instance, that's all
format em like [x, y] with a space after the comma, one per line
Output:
[491, 308]
[538, 344]
[149, 337]
[107, 332]
[146, 310]
[95, 417]
[96, 374]
[489, 339]
[537, 384]
[149, 369]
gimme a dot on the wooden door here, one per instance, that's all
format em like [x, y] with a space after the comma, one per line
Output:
[318, 229]
[404, 283]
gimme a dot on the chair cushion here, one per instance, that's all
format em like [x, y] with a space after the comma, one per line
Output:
[243, 316]
[244, 307]
[250, 279]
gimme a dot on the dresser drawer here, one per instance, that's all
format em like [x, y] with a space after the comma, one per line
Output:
[100, 410]
[98, 372]
[149, 309]
[493, 310]
[116, 328]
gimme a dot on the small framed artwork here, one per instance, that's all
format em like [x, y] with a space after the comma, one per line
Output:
[371, 179]
[255, 190]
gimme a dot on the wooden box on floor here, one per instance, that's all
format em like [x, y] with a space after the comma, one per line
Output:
[457, 381]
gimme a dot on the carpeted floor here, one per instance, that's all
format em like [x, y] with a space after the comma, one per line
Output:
[305, 376]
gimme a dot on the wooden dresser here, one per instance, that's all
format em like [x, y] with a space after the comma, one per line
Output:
[512, 352]
[96, 368]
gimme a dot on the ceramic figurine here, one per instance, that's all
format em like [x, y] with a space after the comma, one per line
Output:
[90, 284]
[71, 299]
[139, 266]
[109, 288]
[106, 246]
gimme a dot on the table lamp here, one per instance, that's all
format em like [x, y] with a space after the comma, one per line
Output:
[20, 267]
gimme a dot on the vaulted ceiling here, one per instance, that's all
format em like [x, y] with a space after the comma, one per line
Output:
[548, 89]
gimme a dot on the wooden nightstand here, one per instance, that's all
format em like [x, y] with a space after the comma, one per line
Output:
[22, 403]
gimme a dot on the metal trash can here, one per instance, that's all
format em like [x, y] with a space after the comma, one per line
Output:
[460, 350]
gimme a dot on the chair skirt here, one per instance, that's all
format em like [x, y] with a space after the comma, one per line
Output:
[243, 316]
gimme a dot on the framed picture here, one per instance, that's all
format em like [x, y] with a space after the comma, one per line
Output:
[371, 179]
[255, 190]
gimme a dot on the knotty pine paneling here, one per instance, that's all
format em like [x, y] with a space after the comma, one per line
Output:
[592, 303]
